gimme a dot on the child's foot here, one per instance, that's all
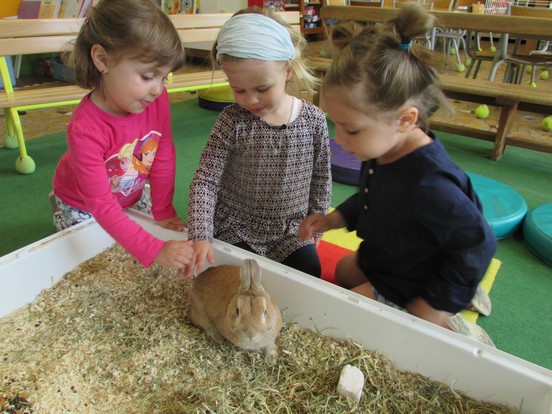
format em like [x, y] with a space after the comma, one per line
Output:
[481, 302]
[459, 324]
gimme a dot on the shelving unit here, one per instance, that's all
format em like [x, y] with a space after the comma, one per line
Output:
[311, 22]
[309, 10]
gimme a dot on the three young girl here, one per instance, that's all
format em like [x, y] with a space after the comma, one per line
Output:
[263, 182]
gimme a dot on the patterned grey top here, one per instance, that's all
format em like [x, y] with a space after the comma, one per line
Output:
[256, 182]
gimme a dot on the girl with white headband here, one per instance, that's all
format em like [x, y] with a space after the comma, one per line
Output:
[266, 165]
[426, 244]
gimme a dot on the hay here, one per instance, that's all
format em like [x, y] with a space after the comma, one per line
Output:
[113, 337]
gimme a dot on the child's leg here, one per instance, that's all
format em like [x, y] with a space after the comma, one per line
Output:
[350, 276]
[66, 216]
[144, 204]
[422, 309]
[305, 260]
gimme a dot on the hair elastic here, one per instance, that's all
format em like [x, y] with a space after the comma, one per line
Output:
[405, 45]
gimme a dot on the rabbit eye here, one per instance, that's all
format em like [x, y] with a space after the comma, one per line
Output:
[238, 311]
[265, 312]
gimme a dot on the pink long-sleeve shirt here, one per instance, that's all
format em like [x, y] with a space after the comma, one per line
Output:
[108, 162]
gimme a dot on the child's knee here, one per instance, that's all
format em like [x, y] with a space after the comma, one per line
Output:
[348, 273]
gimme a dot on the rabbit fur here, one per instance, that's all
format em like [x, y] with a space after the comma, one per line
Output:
[230, 302]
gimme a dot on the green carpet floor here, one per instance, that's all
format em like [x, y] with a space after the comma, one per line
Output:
[521, 321]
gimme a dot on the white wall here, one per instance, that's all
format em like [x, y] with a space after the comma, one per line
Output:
[219, 6]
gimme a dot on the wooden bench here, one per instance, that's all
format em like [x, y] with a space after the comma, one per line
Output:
[36, 36]
[508, 97]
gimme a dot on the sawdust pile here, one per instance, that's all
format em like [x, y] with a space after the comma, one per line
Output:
[112, 337]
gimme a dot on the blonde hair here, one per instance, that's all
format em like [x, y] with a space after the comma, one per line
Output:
[134, 29]
[302, 78]
[390, 68]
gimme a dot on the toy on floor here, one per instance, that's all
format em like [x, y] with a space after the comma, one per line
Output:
[482, 112]
[537, 232]
[216, 98]
[345, 167]
[547, 124]
[503, 207]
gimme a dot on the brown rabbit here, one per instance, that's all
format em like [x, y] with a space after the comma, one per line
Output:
[229, 302]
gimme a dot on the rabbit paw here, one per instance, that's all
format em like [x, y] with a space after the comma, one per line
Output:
[271, 355]
[215, 336]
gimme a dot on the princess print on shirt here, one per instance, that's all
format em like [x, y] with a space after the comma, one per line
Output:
[128, 170]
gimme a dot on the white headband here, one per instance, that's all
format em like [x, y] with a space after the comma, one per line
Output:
[255, 36]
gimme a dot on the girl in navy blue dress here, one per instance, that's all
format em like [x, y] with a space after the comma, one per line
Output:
[426, 245]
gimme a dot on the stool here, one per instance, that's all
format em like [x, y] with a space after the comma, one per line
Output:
[537, 232]
[345, 167]
[216, 98]
[503, 207]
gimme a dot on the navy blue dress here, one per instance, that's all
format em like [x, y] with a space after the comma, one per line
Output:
[423, 231]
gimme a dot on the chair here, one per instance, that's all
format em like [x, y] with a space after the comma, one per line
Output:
[476, 54]
[453, 38]
[428, 39]
[517, 60]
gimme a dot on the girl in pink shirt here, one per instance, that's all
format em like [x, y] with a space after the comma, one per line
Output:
[119, 137]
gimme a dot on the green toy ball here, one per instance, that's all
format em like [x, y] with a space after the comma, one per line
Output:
[452, 51]
[460, 67]
[468, 62]
[323, 53]
[529, 69]
[493, 49]
[25, 165]
[11, 141]
[482, 112]
[547, 124]
[533, 85]
[544, 75]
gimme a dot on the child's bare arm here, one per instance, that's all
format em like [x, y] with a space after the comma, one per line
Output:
[317, 223]
[173, 223]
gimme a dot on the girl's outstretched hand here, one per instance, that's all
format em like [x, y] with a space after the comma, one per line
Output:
[203, 249]
[173, 223]
[315, 223]
[319, 223]
[176, 253]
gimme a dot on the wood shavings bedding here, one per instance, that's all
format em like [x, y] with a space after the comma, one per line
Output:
[112, 337]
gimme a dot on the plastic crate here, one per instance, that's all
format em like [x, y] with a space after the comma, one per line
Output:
[412, 344]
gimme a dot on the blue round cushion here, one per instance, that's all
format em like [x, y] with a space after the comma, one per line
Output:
[503, 207]
[537, 232]
[345, 167]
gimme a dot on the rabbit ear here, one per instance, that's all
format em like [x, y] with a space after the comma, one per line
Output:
[250, 275]
[245, 274]
[255, 275]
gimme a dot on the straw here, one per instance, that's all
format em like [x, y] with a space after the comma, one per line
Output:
[113, 337]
